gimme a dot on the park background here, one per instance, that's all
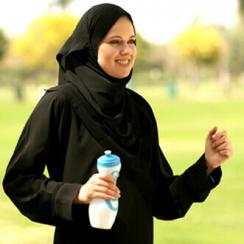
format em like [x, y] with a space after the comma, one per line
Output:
[191, 75]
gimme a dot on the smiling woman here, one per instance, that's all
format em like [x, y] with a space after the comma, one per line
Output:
[117, 51]
[91, 110]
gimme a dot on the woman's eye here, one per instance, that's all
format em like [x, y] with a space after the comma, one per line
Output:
[115, 42]
[132, 41]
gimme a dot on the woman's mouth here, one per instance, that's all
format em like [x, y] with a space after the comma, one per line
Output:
[123, 62]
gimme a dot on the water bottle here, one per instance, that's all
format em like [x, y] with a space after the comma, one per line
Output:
[102, 213]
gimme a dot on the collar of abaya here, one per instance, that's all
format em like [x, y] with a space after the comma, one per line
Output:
[106, 97]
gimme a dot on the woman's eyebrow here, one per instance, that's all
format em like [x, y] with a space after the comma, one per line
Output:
[117, 36]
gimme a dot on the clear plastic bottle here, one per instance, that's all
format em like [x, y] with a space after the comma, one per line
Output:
[102, 213]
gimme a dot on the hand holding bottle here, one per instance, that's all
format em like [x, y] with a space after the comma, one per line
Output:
[102, 212]
[100, 185]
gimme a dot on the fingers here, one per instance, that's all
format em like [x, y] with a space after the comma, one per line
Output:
[99, 186]
[105, 184]
[212, 132]
[218, 149]
[104, 193]
[222, 144]
[219, 138]
[106, 177]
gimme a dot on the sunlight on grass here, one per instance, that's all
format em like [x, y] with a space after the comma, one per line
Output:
[14, 233]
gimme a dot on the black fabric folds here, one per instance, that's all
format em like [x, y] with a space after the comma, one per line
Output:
[107, 97]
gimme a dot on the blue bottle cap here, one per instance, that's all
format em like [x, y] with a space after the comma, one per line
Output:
[108, 160]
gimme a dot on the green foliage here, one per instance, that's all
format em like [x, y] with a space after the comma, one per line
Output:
[200, 44]
[241, 7]
[143, 49]
[236, 50]
[62, 3]
[37, 48]
[3, 44]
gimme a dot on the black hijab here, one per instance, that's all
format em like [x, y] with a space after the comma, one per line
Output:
[106, 97]
[81, 47]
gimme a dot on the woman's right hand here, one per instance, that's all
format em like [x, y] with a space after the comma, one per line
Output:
[98, 186]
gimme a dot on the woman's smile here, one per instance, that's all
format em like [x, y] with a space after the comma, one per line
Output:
[117, 51]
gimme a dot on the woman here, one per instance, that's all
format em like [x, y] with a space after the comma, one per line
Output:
[90, 111]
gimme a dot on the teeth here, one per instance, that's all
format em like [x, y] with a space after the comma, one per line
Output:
[123, 61]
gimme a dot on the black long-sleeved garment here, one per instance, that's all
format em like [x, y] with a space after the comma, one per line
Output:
[56, 137]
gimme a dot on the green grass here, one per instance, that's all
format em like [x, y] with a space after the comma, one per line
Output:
[183, 125]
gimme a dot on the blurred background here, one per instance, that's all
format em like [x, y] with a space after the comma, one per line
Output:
[190, 67]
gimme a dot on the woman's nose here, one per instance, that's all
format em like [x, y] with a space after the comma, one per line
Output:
[126, 48]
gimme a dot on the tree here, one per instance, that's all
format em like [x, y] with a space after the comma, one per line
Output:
[143, 48]
[202, 50]
[37, 48]
[236, 44]
[200, 44]
[61, 3]
[241, 8]
[236, 51]
[3, 44]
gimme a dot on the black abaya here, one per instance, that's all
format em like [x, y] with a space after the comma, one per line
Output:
[72, 125]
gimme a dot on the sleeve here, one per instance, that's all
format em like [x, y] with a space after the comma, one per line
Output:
[38, 197]
[174, 195]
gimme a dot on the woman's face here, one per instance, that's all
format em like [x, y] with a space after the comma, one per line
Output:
[117, 51]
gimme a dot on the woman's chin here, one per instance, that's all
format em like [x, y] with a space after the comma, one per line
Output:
[121, 75]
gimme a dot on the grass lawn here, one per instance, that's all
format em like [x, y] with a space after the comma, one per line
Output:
[183, 125]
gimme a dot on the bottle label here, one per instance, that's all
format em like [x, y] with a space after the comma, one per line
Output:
[111, 206]
[115, 174]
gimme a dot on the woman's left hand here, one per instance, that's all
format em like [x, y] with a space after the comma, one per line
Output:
[217, 149]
